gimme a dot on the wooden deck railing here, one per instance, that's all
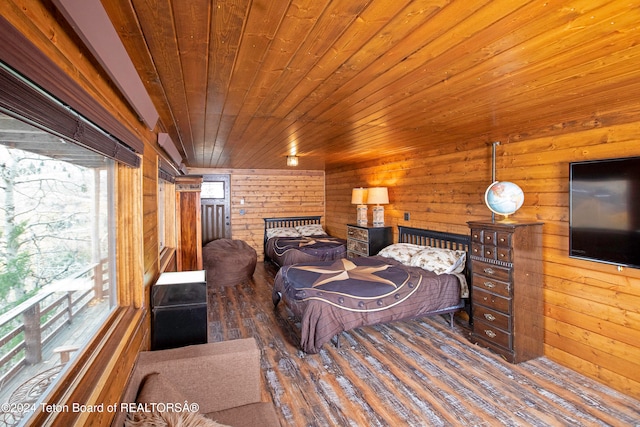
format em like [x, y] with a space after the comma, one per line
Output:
[38, 320]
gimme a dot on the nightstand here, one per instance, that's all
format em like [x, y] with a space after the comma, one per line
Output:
[367, 241]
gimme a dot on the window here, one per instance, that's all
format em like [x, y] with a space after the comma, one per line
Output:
[212, 190]
[75, 113]
[57, 240]
[57, 281]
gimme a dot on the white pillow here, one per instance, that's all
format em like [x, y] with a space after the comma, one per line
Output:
[401, 252]
[282, 232]
[311, 230]
[440, 261]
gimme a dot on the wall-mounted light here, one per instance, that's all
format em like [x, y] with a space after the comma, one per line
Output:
[292, 160]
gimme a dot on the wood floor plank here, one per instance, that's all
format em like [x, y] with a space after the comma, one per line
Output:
[416, 373]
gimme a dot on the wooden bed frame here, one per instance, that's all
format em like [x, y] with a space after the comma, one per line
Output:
[439, 239]
[291, 221]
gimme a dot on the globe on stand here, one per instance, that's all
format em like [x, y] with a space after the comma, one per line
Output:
[504, 198]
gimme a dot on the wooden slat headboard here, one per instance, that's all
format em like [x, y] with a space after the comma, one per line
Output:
[438, 239]
[291, 221]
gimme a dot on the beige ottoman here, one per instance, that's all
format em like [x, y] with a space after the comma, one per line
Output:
[228, 262]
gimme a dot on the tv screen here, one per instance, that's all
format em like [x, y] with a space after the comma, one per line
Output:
[605, 211]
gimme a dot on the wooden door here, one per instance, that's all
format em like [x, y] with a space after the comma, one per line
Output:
[215, 208]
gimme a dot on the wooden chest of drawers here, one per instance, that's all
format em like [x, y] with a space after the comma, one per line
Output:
[507, 299]
[367, 241]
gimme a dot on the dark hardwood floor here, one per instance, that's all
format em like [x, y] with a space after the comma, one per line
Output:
[416, 373]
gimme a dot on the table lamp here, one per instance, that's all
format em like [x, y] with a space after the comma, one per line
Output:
[359, 197]
[378, 196]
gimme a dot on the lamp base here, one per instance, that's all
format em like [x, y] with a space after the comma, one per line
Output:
[361, 215]
[378, 216]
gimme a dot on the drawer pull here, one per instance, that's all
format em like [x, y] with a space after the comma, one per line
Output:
[490, 317]
[490, 333]
[489, 285]
[489, 270]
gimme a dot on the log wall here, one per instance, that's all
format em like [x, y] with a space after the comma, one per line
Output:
[269, 193]
[592, 310]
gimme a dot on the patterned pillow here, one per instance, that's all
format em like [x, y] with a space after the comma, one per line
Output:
[440, 261]
[401, 252]
[282, 232]
[311, 230]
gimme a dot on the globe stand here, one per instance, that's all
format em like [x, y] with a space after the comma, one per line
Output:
[507, 220]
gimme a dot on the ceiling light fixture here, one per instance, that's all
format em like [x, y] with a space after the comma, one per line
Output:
[292, 160]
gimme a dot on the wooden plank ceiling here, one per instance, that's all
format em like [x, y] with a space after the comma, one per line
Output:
[244, 83]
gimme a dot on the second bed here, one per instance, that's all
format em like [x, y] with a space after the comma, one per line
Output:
[292, 240]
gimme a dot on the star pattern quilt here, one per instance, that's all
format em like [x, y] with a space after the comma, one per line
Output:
[334, 296]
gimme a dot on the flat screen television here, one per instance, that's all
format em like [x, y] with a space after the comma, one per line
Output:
[604, 206]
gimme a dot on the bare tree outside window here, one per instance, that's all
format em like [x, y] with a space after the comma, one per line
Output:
[46, 227]
[56, 256]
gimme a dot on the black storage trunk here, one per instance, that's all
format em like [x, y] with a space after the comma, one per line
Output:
[179, 310]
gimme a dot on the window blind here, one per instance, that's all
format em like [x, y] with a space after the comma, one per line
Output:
[64, 108]
[24, 101]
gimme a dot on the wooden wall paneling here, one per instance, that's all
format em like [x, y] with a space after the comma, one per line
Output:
[433, 186]
[170, 235]
[129, 244]
[150, 215]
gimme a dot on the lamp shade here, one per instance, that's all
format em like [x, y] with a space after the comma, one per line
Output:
[378, 196]
[359, 196]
